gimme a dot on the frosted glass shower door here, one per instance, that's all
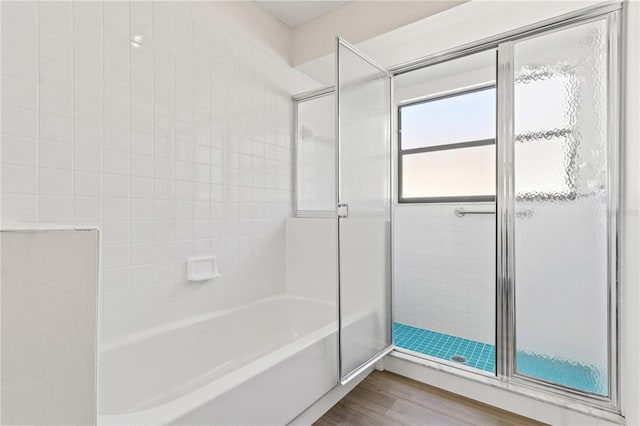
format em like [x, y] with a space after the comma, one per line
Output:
[564, 206]
[364, 223]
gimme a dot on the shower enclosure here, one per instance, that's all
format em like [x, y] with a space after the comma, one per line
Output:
[558, 220]
[510, 223]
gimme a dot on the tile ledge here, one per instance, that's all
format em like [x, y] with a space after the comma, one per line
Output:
[15, 227]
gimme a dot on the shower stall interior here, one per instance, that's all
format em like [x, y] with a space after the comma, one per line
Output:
[501, 190]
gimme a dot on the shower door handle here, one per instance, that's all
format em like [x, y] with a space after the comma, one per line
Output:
[343, 211]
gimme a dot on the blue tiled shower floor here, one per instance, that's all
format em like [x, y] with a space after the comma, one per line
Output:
[444, 346]
[482, 356]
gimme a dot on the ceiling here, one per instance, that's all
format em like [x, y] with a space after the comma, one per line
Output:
[296, 13]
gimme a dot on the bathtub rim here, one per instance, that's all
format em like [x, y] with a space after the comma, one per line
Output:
[174, 325]
[175, 408]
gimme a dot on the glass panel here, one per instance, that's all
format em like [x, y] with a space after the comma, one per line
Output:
[364, 237]
[312, 241]
[444, 265]
[544, 173]
[315, 166]
[561, 207]
[452, 119]
[450, 173]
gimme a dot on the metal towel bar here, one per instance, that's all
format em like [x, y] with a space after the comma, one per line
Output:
[460, 212]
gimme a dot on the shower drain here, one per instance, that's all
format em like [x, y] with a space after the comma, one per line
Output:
[459, 359]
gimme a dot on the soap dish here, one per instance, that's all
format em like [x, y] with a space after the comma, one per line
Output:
[202, 268]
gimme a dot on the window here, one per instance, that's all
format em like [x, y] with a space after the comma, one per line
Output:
[447, 148]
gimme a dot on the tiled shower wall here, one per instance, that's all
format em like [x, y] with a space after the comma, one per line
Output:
[169, 134]
[444, 269]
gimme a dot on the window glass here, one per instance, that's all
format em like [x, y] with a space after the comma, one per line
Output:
[460, 118]
[461, 172]
[447, 148]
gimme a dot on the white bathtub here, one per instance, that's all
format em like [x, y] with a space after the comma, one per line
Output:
[262, 363]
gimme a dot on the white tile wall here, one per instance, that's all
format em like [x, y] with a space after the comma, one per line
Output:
[444, 269]
[171, 135]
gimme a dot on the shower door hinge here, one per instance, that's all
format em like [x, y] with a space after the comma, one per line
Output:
[343, 210]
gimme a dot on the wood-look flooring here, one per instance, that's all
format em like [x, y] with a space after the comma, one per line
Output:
[385, 398]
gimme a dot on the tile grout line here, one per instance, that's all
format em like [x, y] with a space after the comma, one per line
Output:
[37, 195]
[210, 122]
[73, 111]
[129, 176]
[153, 147]
[102, 198]
[172, 280]
[194, 201]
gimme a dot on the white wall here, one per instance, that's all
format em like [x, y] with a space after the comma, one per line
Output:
[444, 270]
[248, 22]
[445, 30]
[169, 133]
[317, 37]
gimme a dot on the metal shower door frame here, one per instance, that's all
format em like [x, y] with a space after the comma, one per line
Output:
[346, 378]
[505, 307]
[505, 208]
